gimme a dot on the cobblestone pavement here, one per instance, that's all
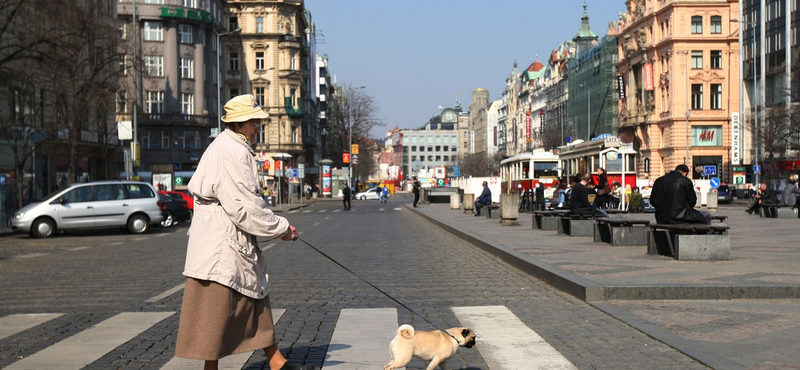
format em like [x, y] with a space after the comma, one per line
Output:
[92, 276]
[753, 333]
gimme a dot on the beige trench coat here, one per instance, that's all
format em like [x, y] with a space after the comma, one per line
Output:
[229, 213]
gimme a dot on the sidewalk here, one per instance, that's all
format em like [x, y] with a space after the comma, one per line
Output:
[732, 314]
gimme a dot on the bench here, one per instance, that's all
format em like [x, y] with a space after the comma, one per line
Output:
[690, 242]
[719, 218]
[576, 224]
[492, 210]
[776, 211]
[546, 220]
[620, 231]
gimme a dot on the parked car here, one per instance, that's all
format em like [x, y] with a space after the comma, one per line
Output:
[371, 193]
[180, 195]
[95, 205]
[174, 210]
[724, 194]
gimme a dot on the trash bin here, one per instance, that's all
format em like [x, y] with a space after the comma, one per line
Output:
[270, 201]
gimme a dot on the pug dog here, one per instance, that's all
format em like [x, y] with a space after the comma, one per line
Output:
[434, 346]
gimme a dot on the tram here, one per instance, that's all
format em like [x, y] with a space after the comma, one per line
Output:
[523, 171]
[619, 159]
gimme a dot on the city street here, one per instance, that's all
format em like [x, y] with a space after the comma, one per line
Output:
[132, 283]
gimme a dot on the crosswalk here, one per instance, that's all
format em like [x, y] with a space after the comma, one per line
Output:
[360, 340]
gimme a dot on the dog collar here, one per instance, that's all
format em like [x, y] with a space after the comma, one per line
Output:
[450, 335]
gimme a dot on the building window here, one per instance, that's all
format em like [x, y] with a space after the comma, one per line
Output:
[413, 148]
[446, 158]
[697, 96]
[716, 59]
[697, 25]
[293, 60]
[259, 60]
[153, 1]
[697, 59]
[234, 61]
[716, 24]
[716, 96]
[190, 3]
[145, 139]
[294, 135]
[232, 93]
[154, 65]
[187, 68]
[123, 30]
[123, 65]
[438, 148]
[190, 140]
[122, 102]
[154, 102]
[706, 135]
[259, 93]
[233, 24]
[446, 148]
[187, 103]
[153, 31]
[164, 139]
[185, 31]
[259, 24]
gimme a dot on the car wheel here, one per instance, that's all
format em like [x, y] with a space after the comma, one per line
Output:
[43, 228]
[363, 197]
[138, 224]
[169, 220]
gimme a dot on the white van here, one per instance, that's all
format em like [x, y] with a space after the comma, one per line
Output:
[94, 205]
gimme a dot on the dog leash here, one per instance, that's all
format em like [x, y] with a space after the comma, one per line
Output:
[376, 288]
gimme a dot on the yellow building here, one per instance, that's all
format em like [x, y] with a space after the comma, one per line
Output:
[679, 78]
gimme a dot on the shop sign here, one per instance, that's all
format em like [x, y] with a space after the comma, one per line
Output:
[191, 14]
[735, 139]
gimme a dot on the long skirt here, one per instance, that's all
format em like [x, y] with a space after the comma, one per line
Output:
[217, 321]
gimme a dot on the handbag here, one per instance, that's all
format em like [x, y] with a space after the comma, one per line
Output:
[603, 191]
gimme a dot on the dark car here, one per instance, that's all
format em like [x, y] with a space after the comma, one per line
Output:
[724, 194]
[174, 210]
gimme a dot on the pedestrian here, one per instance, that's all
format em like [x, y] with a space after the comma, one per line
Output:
[385, 195]
[226, 303]
[346, 197]
[602, 189]
[674, 199]
[763, 198]
[415, 189]
[790, 194]
[484, 199]
[579, 199]
[539, 196]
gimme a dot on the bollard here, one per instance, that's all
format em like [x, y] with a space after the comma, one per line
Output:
[469, 202]
[509, 209]
[712, 201]
[454, 201]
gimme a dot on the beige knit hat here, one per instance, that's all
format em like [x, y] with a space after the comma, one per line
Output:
[243, 108]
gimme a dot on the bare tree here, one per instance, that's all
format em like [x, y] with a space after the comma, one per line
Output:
[481, 164]
[352, 111]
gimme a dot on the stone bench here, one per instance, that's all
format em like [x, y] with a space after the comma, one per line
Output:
[777, 211]
[620, 231]
[492, 210]
[576, 224]
[690, 242]
[546, 220]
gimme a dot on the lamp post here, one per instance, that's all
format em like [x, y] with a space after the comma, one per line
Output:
[686, 53]
[350, 148]
[219, 78]
[755, 94]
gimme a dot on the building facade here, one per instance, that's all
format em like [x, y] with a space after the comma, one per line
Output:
[679, 78]
[435, 144]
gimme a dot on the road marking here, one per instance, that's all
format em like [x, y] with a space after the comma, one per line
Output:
[165, 294]
[91, 344]
[323, 210]
[76, 249]
[352, 349]
[398, 209]
[505, 342]
[316, 224]
[232, 362]
[307, 211]
[334, 211]
[31, 255]
[13, 324]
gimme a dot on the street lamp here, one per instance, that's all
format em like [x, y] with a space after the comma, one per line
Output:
[686, 53]
[755, 92]
[350, 148]
[219, 78]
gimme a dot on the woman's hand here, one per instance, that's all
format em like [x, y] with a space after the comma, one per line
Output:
[291, 234]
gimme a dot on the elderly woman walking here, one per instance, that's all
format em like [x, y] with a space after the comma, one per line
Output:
[226, 306]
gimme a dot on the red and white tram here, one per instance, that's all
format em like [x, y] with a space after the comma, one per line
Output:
[619, 159]
[527, 169]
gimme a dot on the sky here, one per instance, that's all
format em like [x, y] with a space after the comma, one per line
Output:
[414, 56]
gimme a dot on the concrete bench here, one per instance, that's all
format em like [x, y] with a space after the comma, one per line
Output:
[620, 231]
[690, 242]
[492, 210]
[576, 224]
[546, 220]
[777, 211]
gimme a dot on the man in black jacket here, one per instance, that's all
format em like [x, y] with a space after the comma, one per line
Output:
[674, 199]
[579, 200]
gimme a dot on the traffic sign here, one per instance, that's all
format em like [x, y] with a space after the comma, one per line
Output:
[709, 170]
[756, 169]
[715, 182]
[3, 179]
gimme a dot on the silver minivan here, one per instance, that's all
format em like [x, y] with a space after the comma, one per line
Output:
[95, 205]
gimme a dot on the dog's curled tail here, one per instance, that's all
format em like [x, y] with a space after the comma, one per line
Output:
[405, 330]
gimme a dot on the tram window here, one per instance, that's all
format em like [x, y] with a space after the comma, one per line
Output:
[544, 169]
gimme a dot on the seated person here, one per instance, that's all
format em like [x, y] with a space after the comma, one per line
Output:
[579, 198]
[674, 199]
[484, 199]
